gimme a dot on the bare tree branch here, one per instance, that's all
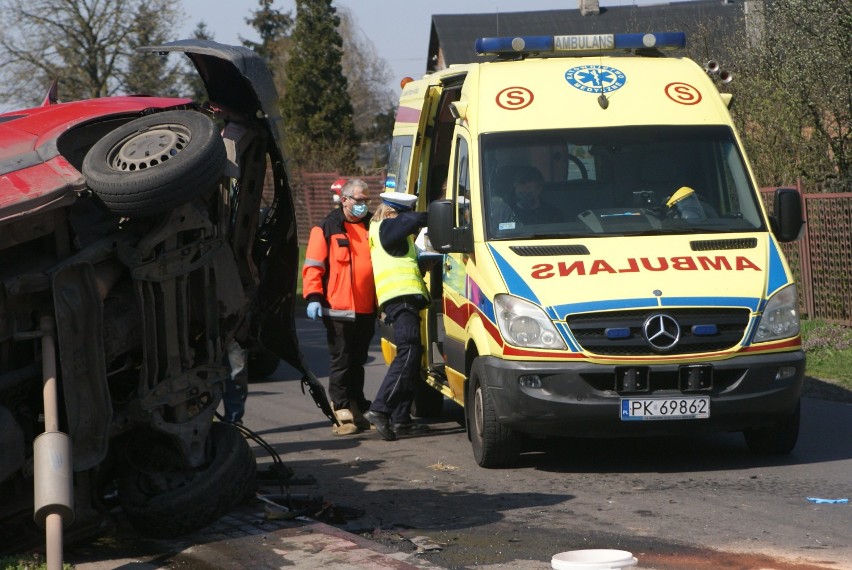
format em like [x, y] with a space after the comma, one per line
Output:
[87, 45]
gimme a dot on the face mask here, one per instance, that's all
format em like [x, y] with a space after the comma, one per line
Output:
[359, 210]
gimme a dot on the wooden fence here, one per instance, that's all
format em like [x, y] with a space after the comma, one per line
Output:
[822, 259]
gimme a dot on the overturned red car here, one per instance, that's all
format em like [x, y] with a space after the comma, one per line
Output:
[132, 250]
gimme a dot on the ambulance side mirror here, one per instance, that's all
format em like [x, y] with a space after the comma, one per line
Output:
[787, 219]
[446, 238]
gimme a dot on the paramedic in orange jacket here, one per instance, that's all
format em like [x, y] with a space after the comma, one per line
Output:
[337, 282]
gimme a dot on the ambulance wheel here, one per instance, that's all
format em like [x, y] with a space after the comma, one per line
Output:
[494, 445]
[777, 439]
[154, 163]
[427, 402]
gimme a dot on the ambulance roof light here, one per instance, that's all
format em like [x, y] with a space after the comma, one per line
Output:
[520, 45]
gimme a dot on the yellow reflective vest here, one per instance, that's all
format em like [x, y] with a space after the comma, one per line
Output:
[395, 276]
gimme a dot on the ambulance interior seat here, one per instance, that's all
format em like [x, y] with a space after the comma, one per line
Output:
[501, 188]
[662, 171]
[437, 178]
[501, 181]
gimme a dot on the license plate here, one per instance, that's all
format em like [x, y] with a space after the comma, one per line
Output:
[644, 409]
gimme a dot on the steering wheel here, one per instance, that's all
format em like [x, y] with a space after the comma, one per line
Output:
[580, 166]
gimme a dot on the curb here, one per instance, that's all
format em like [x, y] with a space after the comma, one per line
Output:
[245, 540]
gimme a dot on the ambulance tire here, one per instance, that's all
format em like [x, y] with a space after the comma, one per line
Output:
[494, 445]
[427, 401]
[132, 182]
[777, 439]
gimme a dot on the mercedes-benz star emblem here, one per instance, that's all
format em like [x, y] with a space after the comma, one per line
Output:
[661, 331]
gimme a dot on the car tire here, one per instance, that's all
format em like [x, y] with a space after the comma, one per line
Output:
[261, 364]
[778, 439]
[162, 501]
[132, 180]
[494, 445]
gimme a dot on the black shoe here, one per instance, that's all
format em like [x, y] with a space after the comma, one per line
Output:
[380, 420]
[409, 428]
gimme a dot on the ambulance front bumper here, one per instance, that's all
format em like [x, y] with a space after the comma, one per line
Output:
[586, 400]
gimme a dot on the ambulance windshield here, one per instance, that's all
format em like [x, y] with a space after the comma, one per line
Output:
[616, 181]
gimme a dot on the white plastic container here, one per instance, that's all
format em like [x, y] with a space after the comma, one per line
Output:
[593, 559]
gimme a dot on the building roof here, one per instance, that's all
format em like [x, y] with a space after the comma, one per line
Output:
[452, 36]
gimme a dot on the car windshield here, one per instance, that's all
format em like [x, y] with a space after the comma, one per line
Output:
[616, 181]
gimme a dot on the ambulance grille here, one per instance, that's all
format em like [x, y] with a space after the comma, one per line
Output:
[590, 331]
[710, 244]
[536, 250]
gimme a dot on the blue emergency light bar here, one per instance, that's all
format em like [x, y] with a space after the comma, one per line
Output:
[579, 43]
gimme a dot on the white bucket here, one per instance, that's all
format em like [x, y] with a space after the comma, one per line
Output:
[592, 559]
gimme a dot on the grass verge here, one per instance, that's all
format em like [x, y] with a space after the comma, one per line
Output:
[829, 366]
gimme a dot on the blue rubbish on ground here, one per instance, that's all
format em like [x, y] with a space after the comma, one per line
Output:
[827, 501]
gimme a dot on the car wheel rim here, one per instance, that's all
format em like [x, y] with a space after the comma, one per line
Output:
[149, 148]
[478, 411]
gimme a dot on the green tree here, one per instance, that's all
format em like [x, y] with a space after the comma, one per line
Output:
[84, 44]
[315, 107]
[792, 91]
[195, 88]
[367, 75]
[273, 27]
[148, 73]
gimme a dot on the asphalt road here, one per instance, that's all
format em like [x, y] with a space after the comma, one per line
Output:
[674, 503]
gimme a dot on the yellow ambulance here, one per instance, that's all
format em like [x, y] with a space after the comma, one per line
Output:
[608, 268]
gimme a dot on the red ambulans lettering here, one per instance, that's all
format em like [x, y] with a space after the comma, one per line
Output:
[684, 263]
[717, 263]
[600, 266]
[635, 265]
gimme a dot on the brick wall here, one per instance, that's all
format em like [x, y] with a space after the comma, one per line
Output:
[312, 196]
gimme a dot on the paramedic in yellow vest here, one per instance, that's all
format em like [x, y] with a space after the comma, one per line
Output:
[401, 294]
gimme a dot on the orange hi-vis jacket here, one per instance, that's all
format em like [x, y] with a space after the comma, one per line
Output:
[338, 271]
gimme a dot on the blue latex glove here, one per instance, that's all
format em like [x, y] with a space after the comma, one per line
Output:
[314, 310]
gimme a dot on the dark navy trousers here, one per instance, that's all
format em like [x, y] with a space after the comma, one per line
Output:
[397, 389]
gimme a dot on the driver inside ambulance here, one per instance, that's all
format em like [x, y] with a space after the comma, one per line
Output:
[526, 200]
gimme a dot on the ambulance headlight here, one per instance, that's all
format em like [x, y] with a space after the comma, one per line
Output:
[780, 317]
[525, 324]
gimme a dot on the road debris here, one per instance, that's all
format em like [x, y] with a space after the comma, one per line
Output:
[425, 544]
[827, 501]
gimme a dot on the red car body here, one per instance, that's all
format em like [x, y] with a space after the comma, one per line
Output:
[28, 142]
[132, 252]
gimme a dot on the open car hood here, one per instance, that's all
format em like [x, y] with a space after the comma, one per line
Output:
[230, 74]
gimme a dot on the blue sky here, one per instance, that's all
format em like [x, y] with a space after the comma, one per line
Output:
[399, 29]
